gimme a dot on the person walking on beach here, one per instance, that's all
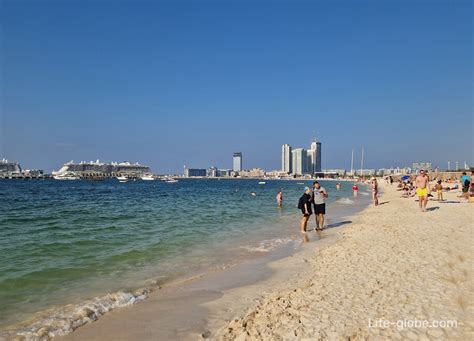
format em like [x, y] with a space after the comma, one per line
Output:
[375, 191]
[465, 185]
[318, 199]
[279, 198]
[439, 190]
[422, 190]
[304, 205]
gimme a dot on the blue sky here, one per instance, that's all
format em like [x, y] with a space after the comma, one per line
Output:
[188, 83]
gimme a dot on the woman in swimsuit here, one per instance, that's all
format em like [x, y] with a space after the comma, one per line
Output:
[375, 191]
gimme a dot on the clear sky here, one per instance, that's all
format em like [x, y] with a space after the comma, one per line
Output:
[173, 83]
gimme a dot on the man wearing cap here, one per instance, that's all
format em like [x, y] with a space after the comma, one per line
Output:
[305, 206]
[422, 189]
[318, 199]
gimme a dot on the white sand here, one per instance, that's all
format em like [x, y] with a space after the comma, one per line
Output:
[392, 263]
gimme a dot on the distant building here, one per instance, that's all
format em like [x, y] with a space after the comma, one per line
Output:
[194, 172]
[237, 162]
[311, 167]
[224, 172]
[299, 160]
[212, 172]
[318, 161]
[286, 159]
[256, 172]
[365, 172]
[417, 166]
[8, 168]
[339, 172]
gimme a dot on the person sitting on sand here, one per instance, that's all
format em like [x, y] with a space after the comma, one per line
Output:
[439, 190]
[422, 189]
[304, 205]
[400, 184]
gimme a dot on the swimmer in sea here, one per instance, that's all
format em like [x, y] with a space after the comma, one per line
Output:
[279, 198]
[355, 189]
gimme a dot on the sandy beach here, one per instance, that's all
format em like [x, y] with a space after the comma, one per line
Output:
[391, 272]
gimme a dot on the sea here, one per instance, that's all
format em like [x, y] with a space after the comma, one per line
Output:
[72, 250]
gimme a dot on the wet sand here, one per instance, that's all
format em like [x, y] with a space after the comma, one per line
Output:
[389, 262]
[393, 263]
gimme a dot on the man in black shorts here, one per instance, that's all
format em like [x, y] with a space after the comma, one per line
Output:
[318, 199]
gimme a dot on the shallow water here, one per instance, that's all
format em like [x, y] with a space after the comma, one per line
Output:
[67, 241]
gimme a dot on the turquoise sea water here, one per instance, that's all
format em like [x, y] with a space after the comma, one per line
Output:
[63, 242]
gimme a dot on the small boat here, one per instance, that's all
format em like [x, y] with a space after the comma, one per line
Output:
[122, 178]
[261, 182]
[169, 179]
[147, 177]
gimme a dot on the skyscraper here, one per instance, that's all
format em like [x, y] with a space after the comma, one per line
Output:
[286, 159]
[312, 158]
[317, 164]
[237, 162]
[299, 161]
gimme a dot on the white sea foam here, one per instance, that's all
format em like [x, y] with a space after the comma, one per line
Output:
[345, 201]
[267, 245]
[65, 320]
[364, 193]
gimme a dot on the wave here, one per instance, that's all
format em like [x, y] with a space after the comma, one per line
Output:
[64, 320]
[267, 245]
[345, 201]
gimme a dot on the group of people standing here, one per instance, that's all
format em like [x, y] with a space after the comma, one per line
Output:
[313, 200]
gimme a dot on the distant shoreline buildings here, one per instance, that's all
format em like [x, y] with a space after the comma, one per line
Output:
[300, 161]
[237, 162]
[98, 169]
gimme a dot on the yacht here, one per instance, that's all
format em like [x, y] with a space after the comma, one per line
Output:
[147, 177]
[122, 178]
[66, 176]
[169, 180]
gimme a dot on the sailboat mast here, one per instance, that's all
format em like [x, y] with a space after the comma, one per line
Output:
[352, 163]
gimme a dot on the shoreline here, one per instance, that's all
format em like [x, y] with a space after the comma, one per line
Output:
[63, 320]
[388, 262]
[376, 268]
[185, 311]
[392, 268]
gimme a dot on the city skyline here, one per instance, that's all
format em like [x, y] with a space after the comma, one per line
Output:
[168, 84]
